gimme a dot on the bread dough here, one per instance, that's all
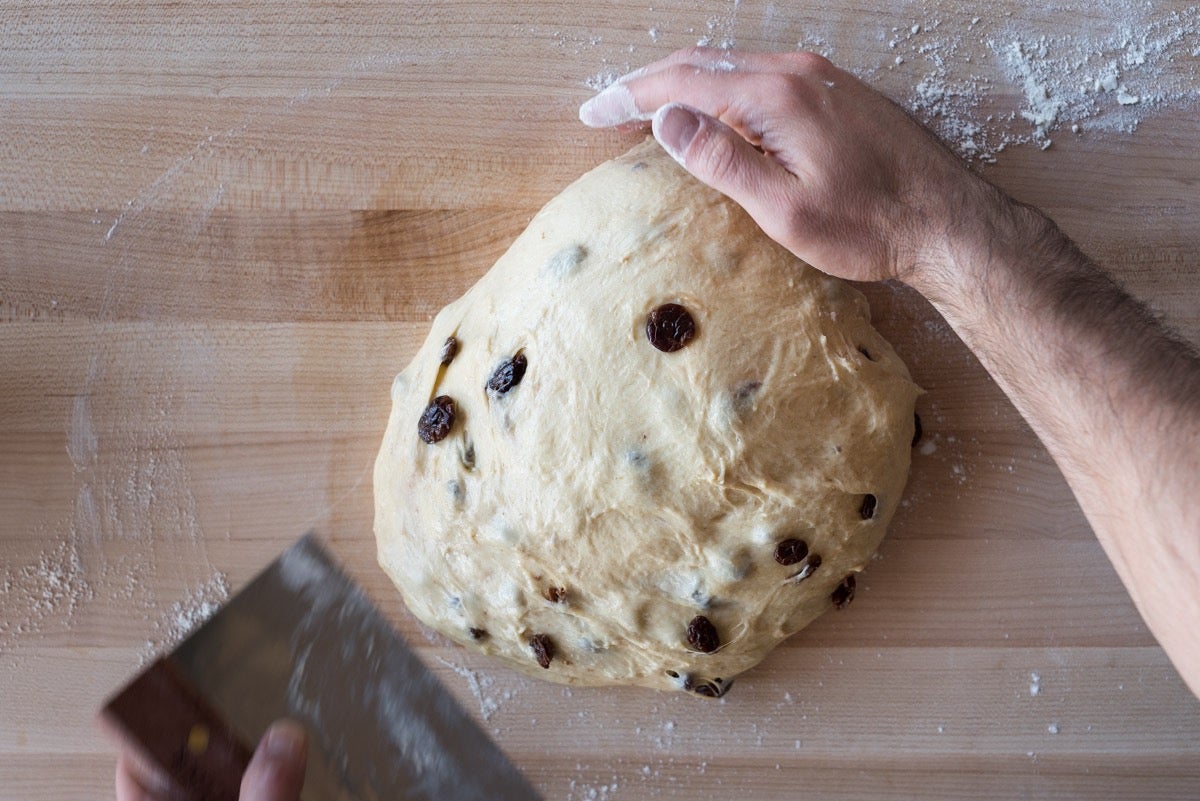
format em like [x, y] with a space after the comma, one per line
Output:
[622, 514]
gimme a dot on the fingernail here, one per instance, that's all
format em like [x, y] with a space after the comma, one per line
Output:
[613, 106]
[674, 127]
[284, 740]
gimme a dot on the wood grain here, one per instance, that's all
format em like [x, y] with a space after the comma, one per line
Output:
[224, 227]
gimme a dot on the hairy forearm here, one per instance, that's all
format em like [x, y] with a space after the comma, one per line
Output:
[1114, 397]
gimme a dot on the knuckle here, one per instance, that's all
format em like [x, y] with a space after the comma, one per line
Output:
[679, 74]
[710, 59]
[808, 62]
[682, 58]
[698, 53]
[782, 84]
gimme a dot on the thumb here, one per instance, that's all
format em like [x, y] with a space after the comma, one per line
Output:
[276, 772]
[720, 157]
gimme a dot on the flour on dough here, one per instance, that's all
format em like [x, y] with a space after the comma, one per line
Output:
[597, 488]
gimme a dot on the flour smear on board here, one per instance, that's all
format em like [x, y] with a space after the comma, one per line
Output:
[131, 534]
[1123, 63]
[982, 78]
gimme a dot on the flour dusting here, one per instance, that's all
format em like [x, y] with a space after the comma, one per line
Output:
[983, 82]
[46, 591]
[183, 616]
[720, 31]
[579, 790]
[1105, 75]
[483, 686]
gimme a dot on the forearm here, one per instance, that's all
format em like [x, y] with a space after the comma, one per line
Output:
[1114, 397]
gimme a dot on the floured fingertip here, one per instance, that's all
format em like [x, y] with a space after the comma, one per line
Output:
[614, 106]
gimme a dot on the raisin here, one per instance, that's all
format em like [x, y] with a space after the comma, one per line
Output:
[791, 551]
[866, 353]
[508, 375]
[449, 350]
[709, 689]
[844, 594]
[556, 595]
[543, 649]
[478, 634]
[867, 510]
[670, 327]
[672, 674]
[702, 635]
[916, 429]
[437, 420]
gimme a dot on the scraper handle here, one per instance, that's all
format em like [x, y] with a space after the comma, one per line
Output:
[181, 747]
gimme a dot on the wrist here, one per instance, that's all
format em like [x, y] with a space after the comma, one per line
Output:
[980, 235]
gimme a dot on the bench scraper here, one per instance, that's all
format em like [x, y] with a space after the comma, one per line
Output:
[303, 641]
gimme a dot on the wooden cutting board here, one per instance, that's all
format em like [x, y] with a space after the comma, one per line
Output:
[224, 227]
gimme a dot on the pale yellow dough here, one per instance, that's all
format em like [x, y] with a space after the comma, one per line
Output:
[650, 487]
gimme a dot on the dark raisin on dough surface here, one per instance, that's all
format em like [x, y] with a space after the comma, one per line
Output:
[556, 595]
[437, 420]
[702, 635]
[449, 350]
[867, 510]
[670, 327]
[543, 649]
[844, 594]
[477, 634]
[791, 551]
[508, 375]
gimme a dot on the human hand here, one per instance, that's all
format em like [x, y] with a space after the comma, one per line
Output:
[275, 773]
[826, 166]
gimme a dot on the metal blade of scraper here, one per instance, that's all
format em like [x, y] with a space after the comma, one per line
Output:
[304, 641]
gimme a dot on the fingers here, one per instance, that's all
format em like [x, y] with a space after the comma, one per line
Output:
[723, 159]
[128, 787]
[719, 60]
[732, 87]
[614, 106]
[749, 125]
[276, 772]
[637, 97]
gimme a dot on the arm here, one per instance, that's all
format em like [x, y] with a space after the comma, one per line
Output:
[848, 182]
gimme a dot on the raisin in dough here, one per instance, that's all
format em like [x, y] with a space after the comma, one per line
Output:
[593, 509]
